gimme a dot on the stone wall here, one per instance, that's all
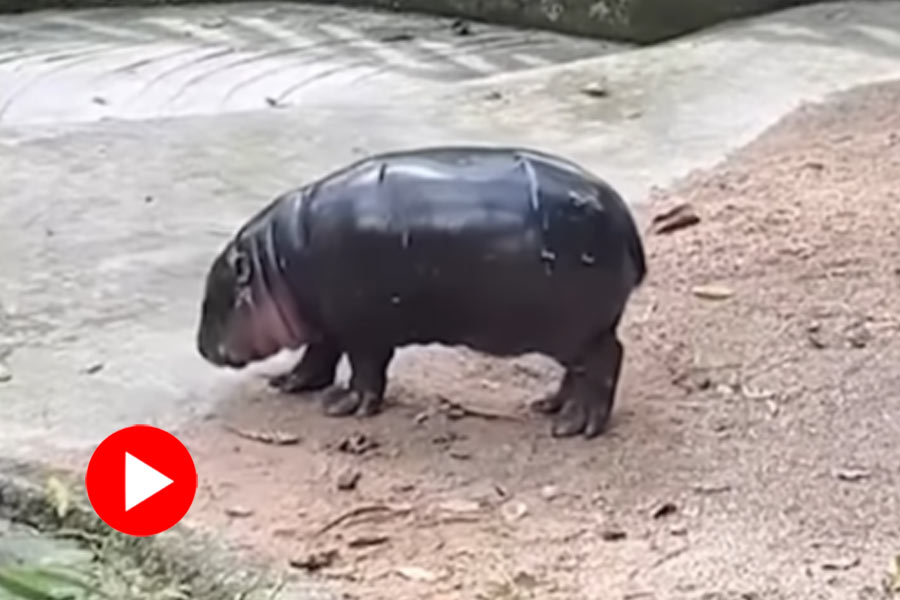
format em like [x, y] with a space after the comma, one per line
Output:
[642, 21]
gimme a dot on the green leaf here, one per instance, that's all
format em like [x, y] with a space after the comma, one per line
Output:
[23, 585]
[30, 583]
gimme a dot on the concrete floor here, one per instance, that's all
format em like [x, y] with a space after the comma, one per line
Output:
[109, 217]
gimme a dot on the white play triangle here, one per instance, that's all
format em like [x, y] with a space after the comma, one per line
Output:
[141, 481]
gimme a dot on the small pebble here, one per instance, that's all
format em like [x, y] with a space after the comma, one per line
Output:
[461, 27]
[94, 368]
[595, 90]
[513, 511]
[347, 480]
[549, 492]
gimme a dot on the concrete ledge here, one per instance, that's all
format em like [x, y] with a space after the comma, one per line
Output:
[641, 21]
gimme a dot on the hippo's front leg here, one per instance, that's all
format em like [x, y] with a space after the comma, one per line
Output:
[587, 406]
[315, 371]
[368, 380]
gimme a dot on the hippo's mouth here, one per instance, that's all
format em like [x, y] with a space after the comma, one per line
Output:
[266, 322]
[275, 325]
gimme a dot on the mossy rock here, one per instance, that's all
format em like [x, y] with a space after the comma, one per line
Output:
[640, 21]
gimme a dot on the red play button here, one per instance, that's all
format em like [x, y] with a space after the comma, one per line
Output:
[141, 480]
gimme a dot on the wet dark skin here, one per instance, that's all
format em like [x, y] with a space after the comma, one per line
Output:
[505, 251]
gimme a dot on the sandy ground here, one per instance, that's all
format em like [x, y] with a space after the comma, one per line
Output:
[754, 448]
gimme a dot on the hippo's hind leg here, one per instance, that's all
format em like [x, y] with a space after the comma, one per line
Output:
[368, 380]
[315, 371]
[587, 406]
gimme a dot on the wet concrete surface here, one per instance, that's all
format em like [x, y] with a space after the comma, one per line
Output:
[109, 218]
[139, 64]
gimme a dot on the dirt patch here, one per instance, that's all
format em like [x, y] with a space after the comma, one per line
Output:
[752, 454]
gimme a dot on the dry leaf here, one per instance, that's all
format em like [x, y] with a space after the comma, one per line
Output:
[365, 541]
[456, 411]
[358, 444]
[239, 512]
[841, 564]
[815, 336]
[751, 393]
[416, 574]
[93, 369]
[860, 336]
[274, 437]
[369, 511]
[678, 217]
[214, 23]
[315, 561]
[852, 474]
[59, 496]
[893, 583]
[398, 37]
[664, 510]
[713, 292]
[612, 535]
[460, 506]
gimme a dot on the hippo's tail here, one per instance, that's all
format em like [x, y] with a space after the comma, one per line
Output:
[636, 252]
[634, 245]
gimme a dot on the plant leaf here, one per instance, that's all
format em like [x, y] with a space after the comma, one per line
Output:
[60, 497]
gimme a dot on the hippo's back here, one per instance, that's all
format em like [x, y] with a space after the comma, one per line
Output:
[498, 249]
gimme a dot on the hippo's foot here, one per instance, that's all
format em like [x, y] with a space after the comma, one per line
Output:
[315, 371]
[586, 407]
[552, 404]
[343, 402]
[368, 381]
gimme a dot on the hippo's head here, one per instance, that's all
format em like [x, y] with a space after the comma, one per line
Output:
[248, 313]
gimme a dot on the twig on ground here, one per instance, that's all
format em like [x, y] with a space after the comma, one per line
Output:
[275, 437]
[360, 511]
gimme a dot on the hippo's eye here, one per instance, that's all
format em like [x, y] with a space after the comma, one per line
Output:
[242, 270]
